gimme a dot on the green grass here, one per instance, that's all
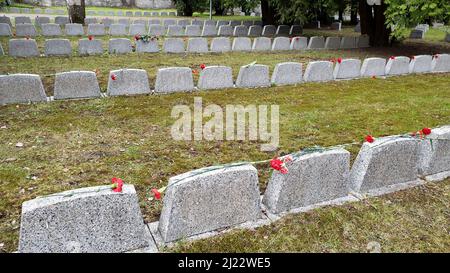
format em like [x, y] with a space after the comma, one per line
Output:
[414, 220]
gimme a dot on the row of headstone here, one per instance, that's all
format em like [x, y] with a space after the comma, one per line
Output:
[94, 12]
[36, 11]
[28, 47]
[60, 20]
[230, 196]
[19, 88]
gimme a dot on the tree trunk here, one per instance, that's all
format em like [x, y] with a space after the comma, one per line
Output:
[354, 12]
[373, 23]
[77, 11]
[267, 13]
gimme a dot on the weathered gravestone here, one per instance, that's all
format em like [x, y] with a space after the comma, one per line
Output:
[417, 34]
[222, 23]
[197, 45]
[420, 64]
[196, 22]
[283, 30]
[193, 30]
[333, 43]
[174, 79]
[138, 13]
[24, 30]
[128, 82]
[1, 50]
[256, 75]
[312, 178]
[299, 43]
[117, 30]
[240, 31]
[220, 44]
[173, 45]
[5, 30]
[255, 31]
[287, 73]
[41, 20]
[175, 30]
[435, 154]
[348, 42]
[440, 63]
[120, 13]
[225, 30]
[164, 13]
[88, 21]
[51, 30]
[172, 13]
[124, 21]
[373, 67]
[58, 47]
[183, 23]
[119, 46]
[96, 29]
[154, 22]
[397, 66]
[22, 20]
[137, 29]
[385, 162]
[241, 44]
[156, 30]
[215, 77]
[223, 198]
[76, 85]
[262, 44]
[94, 219]
[23, 48]
[150, 46]
[108, 22]
[170, 22]
[364, 41]
[209, 31]
[316, 42]
[61, 20]
[318, 71]
[269, 31]
[74, 30]
[281, 43]
[21, 88]
[336, 26]
[347, 69]
[38, 11]
[155, 13]
[90, 47]
[357, 27]
[234, 23]
[128, 13]
[5, 20]
[296, 30]
[247, 23]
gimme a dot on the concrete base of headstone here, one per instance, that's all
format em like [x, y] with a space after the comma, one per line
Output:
[215, 77]
[373, 67]
[128, 82]
[223, 198]
[318, 71]
[21, 88]
[287, 73]
[94, 219]
[437, 177]
[76, 85]
[389, 189]
[253, 76]
[385, 162]
[174, 79]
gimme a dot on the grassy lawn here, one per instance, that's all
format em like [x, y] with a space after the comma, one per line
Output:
[72, 144]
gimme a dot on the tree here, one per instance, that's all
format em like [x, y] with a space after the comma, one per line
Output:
[246, 5]
[76, 10]
[188, 7]
[373, 23]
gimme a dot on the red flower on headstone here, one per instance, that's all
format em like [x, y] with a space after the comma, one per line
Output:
[436, 56]
[113, 77]
[156, 193]
[426, 131]
[279, 165]
[339, 60]
[392, 57]
[202, 66]
[137, 37]
[117, 184]
[297, 38]
[369, 139]
[90, 37]
[412, 57]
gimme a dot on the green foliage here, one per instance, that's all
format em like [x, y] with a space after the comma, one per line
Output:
[402, 15]
[246, 5]
[188, 7]
[303, 11]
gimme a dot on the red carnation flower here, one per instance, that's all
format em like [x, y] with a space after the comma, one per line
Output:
[279, 165]
[117, 184]
[426, 131]
[436, 56]
[412, 57]
[137, 37]
[156, 193]
[90, 37]
[369, 139]
[297, 38]
[392, 57]
[202, 66]
[339, 60]
[113, 77]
